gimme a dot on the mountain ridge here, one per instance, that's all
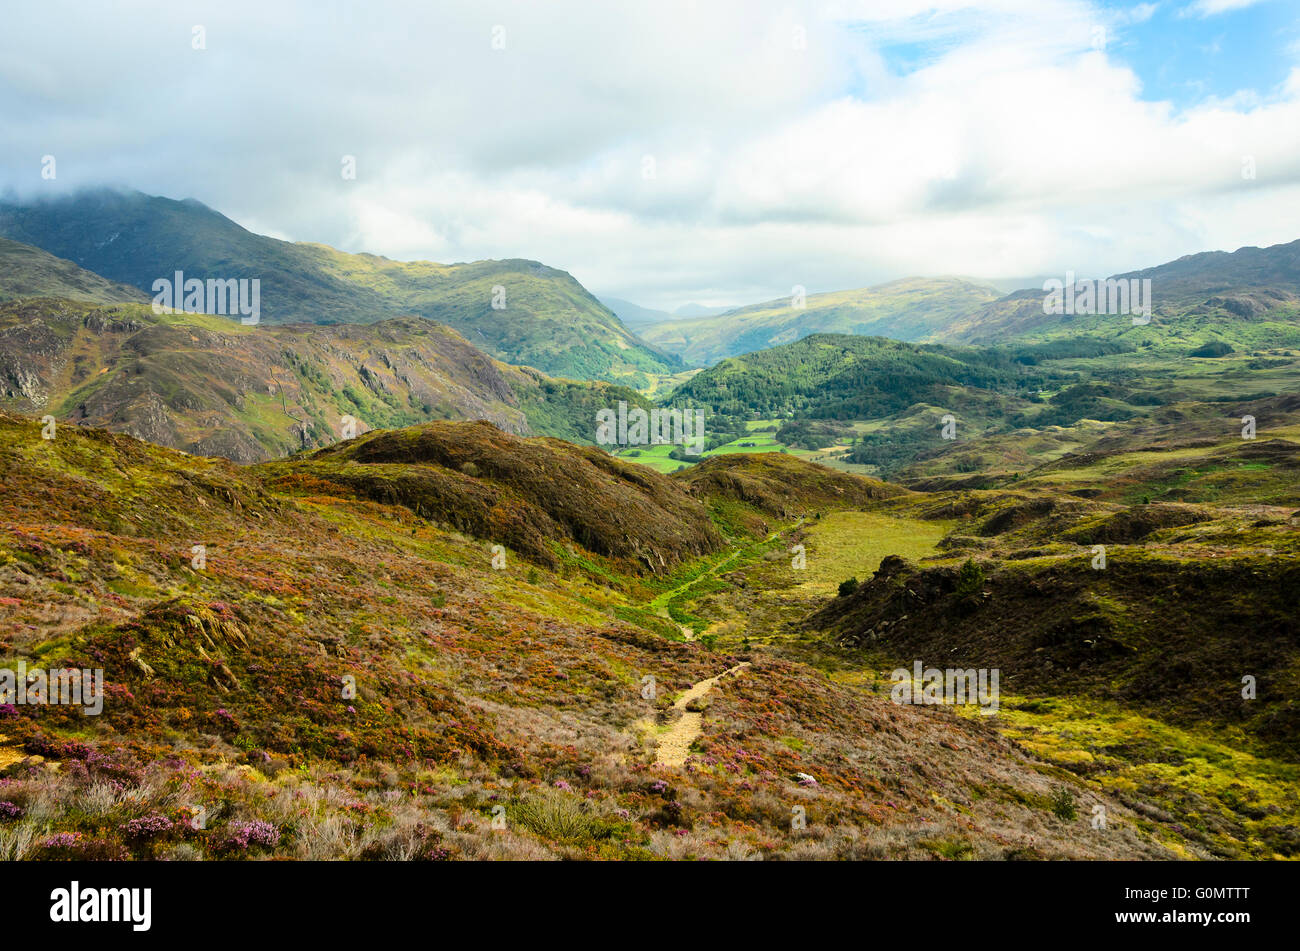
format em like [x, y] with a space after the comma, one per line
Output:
[520, 311]
[906, 309]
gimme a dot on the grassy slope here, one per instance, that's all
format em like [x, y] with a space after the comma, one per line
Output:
[30, 272]
[1128, 678]
[1249, 299]
[550, 321]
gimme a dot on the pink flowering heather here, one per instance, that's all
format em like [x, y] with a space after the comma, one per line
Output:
[244, 835]
[147, 827]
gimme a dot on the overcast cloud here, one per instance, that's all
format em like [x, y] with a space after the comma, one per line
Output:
[995, 139]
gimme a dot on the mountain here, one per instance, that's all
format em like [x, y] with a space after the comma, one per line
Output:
[637, 317]
[910, 309]
[1249, 298]
[546, 318]
[634, 316]
[212, 386]
[698, 310]
[30, 272]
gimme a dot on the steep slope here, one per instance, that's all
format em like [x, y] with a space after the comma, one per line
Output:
[910, 309]
[546, 318]
[212, 386]
[26, 271]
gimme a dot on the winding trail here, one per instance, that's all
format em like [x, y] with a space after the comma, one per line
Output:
[659, 604]
[675, 744]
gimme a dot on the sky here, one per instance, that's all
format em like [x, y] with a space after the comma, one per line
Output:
[718, 152]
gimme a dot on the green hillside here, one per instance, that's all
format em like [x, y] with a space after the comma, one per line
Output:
[395, 644]
[834, 376]
[1248, 299]
[548, 320]
[26, 271]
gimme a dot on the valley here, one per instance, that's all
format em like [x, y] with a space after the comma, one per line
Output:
[362, 588]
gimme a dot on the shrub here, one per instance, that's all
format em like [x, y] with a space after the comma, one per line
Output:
[1215, 348]
[1063, 806]
[147, 827]
[970, 579]
[848, 586]
[560, 817]
[242, 836]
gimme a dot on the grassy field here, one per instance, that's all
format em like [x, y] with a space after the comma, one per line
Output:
[852, 544]
[763, 592]
[762, 438]
[656, 457]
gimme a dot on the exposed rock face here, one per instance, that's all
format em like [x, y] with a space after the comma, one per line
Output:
[213, 387]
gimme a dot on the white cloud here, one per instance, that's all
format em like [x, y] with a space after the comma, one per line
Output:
[1012, 147]
[1209, 8]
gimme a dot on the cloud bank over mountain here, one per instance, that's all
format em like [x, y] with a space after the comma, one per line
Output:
[721, 152]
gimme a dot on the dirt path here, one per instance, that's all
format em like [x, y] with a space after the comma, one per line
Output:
[675, 744]
[660, 604]
[10, 754]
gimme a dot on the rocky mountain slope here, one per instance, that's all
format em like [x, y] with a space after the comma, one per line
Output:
[212, 386]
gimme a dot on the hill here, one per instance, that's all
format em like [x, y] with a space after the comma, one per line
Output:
[910, 309]
[634, 316]
[1157, 625]
[749, 493]
[212, 386]
[546, 318]
[880, 406]
[835, 376]
[1249, 298]
[30, 272]
[528, 494]
[342, 677]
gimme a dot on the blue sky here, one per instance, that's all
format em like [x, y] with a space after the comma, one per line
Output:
[1183, 56]
[1184, 52]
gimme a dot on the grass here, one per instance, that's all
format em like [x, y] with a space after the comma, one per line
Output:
[1239, 804]
[479, 688]
[844, 544]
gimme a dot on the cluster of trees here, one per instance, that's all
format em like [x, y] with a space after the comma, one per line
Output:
[831, 376]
